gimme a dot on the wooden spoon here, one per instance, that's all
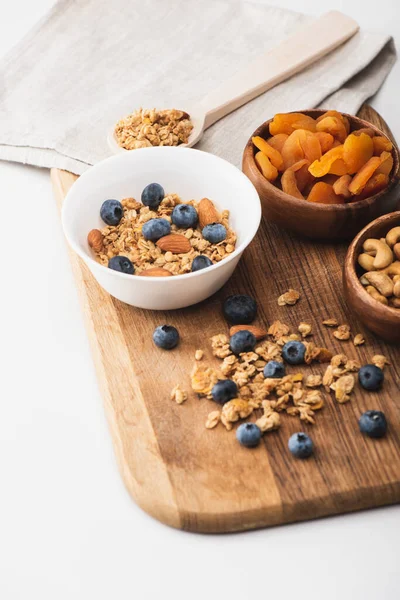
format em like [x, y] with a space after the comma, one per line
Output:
[291, 56]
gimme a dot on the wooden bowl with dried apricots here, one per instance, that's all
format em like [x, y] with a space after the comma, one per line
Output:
[376, 302]
[322, 174]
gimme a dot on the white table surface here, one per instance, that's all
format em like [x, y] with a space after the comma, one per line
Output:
[68, 528]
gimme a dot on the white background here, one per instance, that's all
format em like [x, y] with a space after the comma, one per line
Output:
[68, 528]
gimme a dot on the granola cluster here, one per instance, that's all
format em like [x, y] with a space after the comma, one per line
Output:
[153, 128]
[126, 239]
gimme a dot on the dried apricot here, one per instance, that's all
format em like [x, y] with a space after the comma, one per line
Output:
[376, 184]
[338, 167]
[311, 147]
[334, 126]
[325, 139]
[321, 167]
[386, 163]
[357, 149]
[266, 167]
[364, 174]
[303, 176]
[367, 130]
[292, 150]
[273, 155]
[287, 123]
[341, 186]
[381, 144]
[289, 184]
[277, 141]
[323, 193]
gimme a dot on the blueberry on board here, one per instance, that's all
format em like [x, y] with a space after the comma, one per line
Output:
[152, 195]
[121, 264]
[240, 309]
[224, 390]
[373, 423]
[111, 212]
[214, 233]
[274, 369]
[294, 352]
[201, 262]
[184, 216]
[248, 434]
[300, 445]
[242, 341]
[370, 377]
[166, 337]
[155, 229]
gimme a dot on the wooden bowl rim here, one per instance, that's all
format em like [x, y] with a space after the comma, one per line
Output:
[349, 270]
[248, 154]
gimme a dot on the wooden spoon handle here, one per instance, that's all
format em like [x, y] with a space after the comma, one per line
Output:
[291, 56]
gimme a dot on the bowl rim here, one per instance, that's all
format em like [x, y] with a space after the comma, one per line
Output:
[297, 202]
[157, 149]
[349, 268]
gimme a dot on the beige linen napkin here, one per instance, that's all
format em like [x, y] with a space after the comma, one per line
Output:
[90, 62]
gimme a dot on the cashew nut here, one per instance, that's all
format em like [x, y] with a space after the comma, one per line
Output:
[396, 278]
[396, 289]
[381, 282]
[396, 250]
[363, 280]
[376, 295]
[383, 254]
[393, 269]
[366, 261]
[393, 236]
[395, 302]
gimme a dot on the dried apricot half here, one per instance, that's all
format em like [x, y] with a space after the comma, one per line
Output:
[289, 184]
[266, 167]
[289, 122]
[323, 193]
[277, 141]
[322, 167]
[357, 150]
[273, 155]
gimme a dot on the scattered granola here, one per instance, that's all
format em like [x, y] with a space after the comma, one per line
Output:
[313, 381]
[213, 419]
[330, 323]
[153, 127]
[170, 255]
[203, 379]
[305, 329]
[343, 388]
[290, 297]
[358, 339]
[198, 355]
[179, 395]
[380, 361]
[342, 332]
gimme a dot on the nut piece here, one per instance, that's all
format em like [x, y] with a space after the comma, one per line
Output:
[213, 419]
[305, 329]
[290, 297]
[393, 236]
[156, 272]
[382, 252]
[95, 239]
[343, 388]
[396, 289]
[342, 332]
[393, 269]
[380, 361]
[376, 295]
[198, 355]
[396, 250]
[381, 282]
[313, 381]
[207, 213]
[178, 394]
[366, 261]
[358, 339]
[330, 323]
[175, 243]
[258, 332]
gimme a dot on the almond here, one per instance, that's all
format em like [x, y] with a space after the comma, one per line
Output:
[95, 240]
[256, 331]
[156, 272]
[175, 243]
[207, 213]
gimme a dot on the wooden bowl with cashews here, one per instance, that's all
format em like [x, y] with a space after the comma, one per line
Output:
[371, 276]
[318, 220]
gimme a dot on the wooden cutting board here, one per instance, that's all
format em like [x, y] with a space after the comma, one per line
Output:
[202, 480]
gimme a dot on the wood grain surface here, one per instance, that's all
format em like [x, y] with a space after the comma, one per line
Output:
[202, 480]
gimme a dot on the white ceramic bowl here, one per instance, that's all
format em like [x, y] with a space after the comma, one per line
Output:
[190, 173]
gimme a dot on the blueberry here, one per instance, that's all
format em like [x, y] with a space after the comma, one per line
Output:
[248, 434]
[242, 341]
[214, 233]
[111, 212]
[166, 337]
[224, 390]
[294, 352]
[155, 229]
[152, 195]
[201, 262]
[184, 216]
[121, 264]
[300, 445]
[274, 369]
[240, 309]
[370, 377]
[373, 423]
